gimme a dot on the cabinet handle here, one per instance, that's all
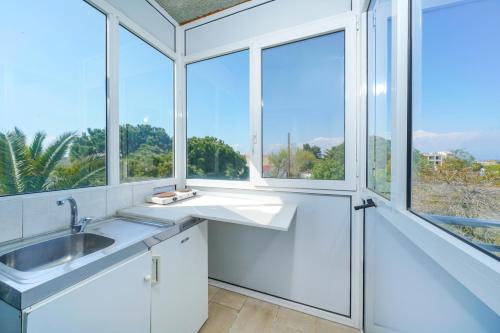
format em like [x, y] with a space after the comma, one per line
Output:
[184, 240]
[156, 270]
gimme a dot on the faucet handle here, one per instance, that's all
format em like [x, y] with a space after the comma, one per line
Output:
[82, 224]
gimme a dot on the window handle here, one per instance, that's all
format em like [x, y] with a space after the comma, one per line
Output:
[369, 203]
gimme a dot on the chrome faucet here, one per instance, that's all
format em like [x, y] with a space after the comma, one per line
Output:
[76, 225]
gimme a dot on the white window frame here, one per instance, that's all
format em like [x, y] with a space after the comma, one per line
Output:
[200, 58]
[115, 18]
[376, 67]
[346, 23]
[477, 271]
[343, 22]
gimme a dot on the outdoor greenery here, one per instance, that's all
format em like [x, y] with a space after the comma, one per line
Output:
[209, 157]
[34, 167]
[307, 162]
[79, 160]
[459, 187]
[145, 153]
[379, 165]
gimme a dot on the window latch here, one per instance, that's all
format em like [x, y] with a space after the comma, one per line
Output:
[369, 203]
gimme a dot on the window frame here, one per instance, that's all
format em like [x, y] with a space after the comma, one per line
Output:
[169, 54]
[106, 11]
[347, 24]
[225, 183]
[343, 22]
[115, 19]
[447, 250]
[371, 79]
[427, 218]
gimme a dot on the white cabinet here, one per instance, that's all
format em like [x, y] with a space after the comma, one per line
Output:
[179, 297]
[117, 300]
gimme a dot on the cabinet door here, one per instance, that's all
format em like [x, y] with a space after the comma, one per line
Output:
[117, 300]
[179, 298]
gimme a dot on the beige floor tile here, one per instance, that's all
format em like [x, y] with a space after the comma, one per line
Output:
[211, 291]
[325, 326]
[229, 298]
[255, 317]
[289, 320]
[220, 319]
[278, 328]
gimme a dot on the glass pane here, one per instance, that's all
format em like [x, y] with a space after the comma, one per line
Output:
[456, 123]
[52, 96]
[303, 109]
[379, 97]
[218, 120]
[146, 102]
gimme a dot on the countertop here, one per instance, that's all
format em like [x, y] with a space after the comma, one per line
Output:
[132, 237]
[257, 212]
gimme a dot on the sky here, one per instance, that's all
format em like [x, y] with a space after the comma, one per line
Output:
[52, 67]
[146, 84]
[218, 99]
[460, 79]
[303, 93]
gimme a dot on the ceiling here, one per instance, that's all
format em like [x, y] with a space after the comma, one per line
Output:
[184, 11]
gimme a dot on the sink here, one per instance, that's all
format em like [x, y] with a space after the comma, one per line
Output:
[54, 252]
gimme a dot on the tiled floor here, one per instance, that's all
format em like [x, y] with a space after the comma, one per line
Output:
[236, 313]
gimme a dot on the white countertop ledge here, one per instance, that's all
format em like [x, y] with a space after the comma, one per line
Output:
[250, 212]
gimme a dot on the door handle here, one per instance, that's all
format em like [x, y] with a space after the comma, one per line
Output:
[156, 270]
[369, 203]
[184, 240]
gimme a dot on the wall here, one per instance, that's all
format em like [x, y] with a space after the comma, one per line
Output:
[310, 263]
[34, 214]
[406, 291]
[149, 18]
[257, 20]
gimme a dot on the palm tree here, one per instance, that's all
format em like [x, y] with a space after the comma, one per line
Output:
[32, 168]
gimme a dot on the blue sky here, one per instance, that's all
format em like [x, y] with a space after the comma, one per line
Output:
[146, 85]
[460, 79]
[218, 99]
[52, 81]
[303, 93]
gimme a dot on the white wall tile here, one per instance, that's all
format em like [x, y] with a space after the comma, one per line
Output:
[92, 203]
[118, 198]
[140, 192]
[37, 217]
[11, 219]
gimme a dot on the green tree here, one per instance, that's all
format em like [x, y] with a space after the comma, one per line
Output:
[90, 143]
[209, 157]
[313, 149]
[279, 164]
[332, 165]
[147, 162]
[133, 137]
[301, 162]
[29, 168]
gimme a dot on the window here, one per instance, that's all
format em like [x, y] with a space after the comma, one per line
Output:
[146, 104]
[455, 118]
[379, 97]
[303, 102]
[52, 96]
[218, 120]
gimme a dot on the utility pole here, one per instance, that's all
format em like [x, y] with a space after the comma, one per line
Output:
[289, 166]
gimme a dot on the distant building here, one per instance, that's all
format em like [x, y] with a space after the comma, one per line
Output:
[437, 158]
[490, 162]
